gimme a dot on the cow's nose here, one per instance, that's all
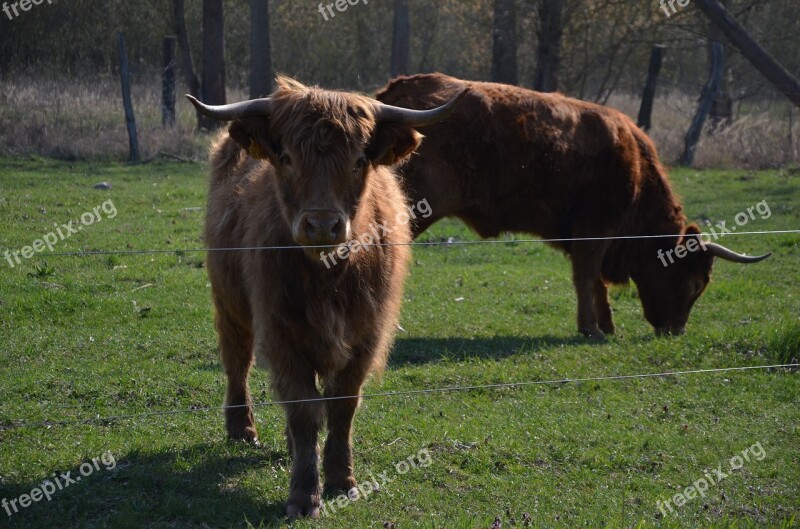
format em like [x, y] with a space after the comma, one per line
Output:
[675, 330]
[322, 227]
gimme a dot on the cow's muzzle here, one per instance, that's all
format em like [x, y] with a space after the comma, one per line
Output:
[676, 330]
[320, 228]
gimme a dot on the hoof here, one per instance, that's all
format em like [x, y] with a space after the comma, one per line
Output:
[248, 435]
[303, 506]
[293, 512]
[594, 334]
[608, 328]
[334, 491]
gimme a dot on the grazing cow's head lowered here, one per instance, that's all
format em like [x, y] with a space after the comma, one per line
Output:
[669, 287]
[323, 145]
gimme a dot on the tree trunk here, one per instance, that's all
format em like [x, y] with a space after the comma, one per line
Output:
[168, 83]
[213, 57]
[645, 120]
[758, 56]
[260, 50]
[401, 40]
[504, 47]
[187, 66]
[548, 52]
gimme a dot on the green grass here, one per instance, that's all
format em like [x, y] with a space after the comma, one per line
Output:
[97, 336]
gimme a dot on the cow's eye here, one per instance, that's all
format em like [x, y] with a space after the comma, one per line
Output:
[285, 159]
[360, 164]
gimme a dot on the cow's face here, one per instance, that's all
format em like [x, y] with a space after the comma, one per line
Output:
[323, 165]
[669, 292]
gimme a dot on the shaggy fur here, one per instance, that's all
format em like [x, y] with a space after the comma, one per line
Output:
[510, 159]
[316, 328]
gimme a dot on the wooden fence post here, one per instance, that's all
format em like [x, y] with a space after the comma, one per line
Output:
[646, 110]
[706, 100]
[168, 83]
[126, 99]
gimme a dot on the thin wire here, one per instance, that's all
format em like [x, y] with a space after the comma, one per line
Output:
[424, 244]
[390, 394]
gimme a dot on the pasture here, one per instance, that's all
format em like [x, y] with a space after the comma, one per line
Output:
[93, 337]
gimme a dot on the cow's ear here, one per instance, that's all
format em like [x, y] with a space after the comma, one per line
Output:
[692, 230]
[392, 143]
[253, 135]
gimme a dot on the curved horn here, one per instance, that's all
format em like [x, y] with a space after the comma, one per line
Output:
[717, 250]
[243, 109]
[417, 118]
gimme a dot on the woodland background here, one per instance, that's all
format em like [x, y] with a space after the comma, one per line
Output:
[60, 96]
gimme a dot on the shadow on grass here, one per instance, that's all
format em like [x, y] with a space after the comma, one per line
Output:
[195, 487]
[415, 351]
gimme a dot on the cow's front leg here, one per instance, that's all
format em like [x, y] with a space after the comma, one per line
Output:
[586, 259]
[236, 351]
[338, 456]
[602, 308]
[304, 420]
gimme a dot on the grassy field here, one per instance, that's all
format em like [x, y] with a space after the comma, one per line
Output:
[99, 336]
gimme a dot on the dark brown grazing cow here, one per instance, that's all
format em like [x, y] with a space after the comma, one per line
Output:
[511, 159]
[309, 168]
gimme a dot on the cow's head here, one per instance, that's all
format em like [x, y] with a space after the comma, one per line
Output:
[670, 281]
[324, 145]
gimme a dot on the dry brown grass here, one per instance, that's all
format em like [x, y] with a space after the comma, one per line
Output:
[83, 119]
[759, 139]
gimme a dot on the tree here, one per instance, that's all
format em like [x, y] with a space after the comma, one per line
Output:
[504, 42]
[213, 56]
[187, 65]
[260, 51]
[548, 51]
[753, 52]
[401, 41]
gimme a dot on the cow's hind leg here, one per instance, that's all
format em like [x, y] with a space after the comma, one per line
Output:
[587, 257]
[236, 351]
[602, 308]
[338, 457]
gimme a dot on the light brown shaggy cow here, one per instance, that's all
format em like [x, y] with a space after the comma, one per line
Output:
[309, 168]
[511, 159]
